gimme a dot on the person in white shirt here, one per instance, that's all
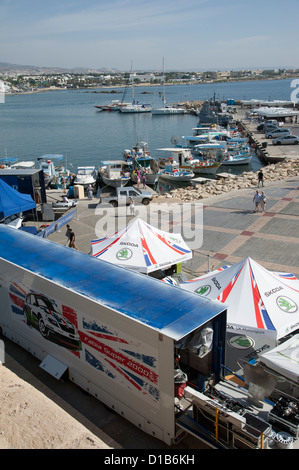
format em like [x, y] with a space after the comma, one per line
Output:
[257, 200]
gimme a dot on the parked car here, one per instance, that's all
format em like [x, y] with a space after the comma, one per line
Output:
[267, 124]
[43, 314]
[286, 140]
[277, 133]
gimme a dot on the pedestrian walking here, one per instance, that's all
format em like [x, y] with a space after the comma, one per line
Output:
[260, 179]
[263, 201]
[138, 178]
[257, 200]
[89, 192]
[68, 234]
[62, 180]
[72, 243]
[144, 180]
[132, 207]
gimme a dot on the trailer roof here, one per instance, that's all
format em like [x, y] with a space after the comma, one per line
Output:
[168, 309]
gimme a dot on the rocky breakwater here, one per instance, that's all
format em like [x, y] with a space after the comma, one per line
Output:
[229, 183]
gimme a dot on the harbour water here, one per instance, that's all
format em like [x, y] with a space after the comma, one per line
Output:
[66, 121]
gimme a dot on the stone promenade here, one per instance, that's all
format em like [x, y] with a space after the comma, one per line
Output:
[231, 230]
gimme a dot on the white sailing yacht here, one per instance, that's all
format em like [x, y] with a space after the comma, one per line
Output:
[166, 110]
[135, 107]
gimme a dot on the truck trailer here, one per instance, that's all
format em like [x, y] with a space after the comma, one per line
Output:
[150, 351]
[116, 333]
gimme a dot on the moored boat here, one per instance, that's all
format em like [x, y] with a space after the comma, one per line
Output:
[166, 110]
[172, 172]
[186, 161]
[139, 158]
[114, 105]
[48, 164]
[136, 108]
[115, 173]
[233, 160]
[85, 176]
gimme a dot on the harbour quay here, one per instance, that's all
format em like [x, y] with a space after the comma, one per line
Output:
[264, 148]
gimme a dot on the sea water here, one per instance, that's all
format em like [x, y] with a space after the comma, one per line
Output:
[66, 121]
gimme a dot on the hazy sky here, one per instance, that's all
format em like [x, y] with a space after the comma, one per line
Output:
[189, 34]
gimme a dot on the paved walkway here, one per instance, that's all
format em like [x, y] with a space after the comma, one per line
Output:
[231, 229]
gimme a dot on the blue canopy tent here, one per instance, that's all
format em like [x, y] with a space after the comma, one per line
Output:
[12, 202]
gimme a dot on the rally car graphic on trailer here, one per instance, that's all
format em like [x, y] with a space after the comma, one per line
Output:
[42, 313]
[120, 358]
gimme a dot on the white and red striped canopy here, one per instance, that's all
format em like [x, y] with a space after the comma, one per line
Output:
[256, 299]
[142, 247]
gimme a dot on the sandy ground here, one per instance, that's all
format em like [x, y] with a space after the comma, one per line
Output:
[30, 420]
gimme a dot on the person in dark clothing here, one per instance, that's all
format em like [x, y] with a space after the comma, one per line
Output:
[260, 179]
[72, 243]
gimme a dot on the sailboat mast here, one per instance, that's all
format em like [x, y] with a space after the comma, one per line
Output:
[163, 78]
[132, 85]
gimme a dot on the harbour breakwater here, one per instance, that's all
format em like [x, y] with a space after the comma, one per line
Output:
[229, 182]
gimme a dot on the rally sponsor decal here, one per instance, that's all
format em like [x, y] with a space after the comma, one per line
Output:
[124, 254]
[286, 304]
[203, 290]
[120, 358]
[241, 342]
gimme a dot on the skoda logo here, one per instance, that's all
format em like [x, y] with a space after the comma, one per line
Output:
[286, 304]
[124, 254]
[241, 342]
[203, 290]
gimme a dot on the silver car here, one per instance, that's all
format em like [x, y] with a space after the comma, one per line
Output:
[277, 133]
[286, 140]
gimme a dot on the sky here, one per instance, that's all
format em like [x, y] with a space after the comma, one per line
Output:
[188, 34]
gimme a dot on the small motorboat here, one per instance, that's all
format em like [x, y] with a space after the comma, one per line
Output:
[85, 176]
[65, 203]
[173, 172]
[233, 160]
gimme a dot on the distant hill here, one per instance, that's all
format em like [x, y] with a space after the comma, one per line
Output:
[35, 70]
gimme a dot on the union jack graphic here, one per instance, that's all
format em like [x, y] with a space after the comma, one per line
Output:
[120, 359]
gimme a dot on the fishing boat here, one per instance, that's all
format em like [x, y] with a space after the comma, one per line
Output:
[7, 162]
[139, 158]
[211, 148]
[115, 173]
[172, 172]
[48, 164]
[85, 176]
[186, 160]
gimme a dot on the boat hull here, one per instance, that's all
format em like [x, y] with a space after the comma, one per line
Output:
[180, 179]
[206, 169]
[135, 109]
[167, 111]
[237, 161]
[197, 168]
[151, 178]
[115, 182]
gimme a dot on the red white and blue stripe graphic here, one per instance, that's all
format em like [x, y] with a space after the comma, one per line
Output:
[149, 246]
[119, 360]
